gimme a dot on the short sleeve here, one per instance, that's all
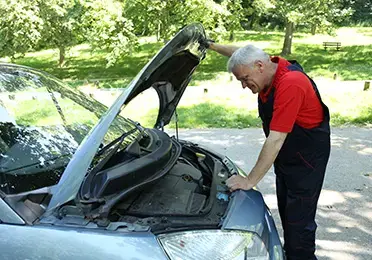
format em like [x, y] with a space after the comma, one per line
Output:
[288, 99]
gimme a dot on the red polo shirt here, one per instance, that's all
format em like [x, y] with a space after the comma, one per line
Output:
[295, 101]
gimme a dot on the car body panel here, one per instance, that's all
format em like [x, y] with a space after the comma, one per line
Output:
[37, 242]
[236, 219]
[7, 215]
[247, 211]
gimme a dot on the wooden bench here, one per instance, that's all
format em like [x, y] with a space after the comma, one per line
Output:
[336, 45]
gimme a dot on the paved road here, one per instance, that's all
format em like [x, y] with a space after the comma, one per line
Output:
[345, 206]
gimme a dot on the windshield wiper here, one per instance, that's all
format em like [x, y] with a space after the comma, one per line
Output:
[104, 160]
[121, 138]
[116, 142]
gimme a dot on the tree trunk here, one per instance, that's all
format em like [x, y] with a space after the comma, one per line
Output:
[287, 46]
[313, 29]
[62, 55]
[232, 36]
[252, 21]
[158, 32]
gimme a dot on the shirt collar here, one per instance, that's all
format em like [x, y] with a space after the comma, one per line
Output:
[280, 71]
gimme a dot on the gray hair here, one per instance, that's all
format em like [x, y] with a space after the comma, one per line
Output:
[246, 55]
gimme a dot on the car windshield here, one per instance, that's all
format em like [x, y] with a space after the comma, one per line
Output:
[42, 122]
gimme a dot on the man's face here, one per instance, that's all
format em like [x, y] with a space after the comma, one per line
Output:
[251, 76]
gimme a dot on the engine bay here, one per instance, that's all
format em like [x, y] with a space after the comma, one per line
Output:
[161, 184]
[179, 192]
[193, 193]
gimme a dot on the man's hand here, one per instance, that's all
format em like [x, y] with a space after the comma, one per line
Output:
[205, 43]
[237, 182]
[225, 50]
[267, 156]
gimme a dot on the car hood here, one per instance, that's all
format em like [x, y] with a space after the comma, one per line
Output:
[169, 73]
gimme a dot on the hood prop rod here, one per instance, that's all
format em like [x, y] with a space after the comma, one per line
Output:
[176, 118]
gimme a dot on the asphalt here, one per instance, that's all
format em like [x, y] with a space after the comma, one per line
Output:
[344, 213]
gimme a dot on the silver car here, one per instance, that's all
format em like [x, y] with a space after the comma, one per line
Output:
[79, 180]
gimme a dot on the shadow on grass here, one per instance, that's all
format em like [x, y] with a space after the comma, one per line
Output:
[208, 115]
[210, 67]
[350, 63]
[102, 83]
[260, 36]
[92, 65]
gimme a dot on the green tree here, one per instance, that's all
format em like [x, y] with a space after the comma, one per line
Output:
[254, 11]
[322, 13]
[62, 24]
[165, 18]
[20, 27]
[107, 28]
[212, 15]
[234, 16]
[362, 11]
[155, 17]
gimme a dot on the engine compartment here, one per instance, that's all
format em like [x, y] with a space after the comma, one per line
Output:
[179, 192]
[193, 193]
[188, 192]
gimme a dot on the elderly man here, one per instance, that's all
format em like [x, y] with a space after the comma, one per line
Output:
[296, 124]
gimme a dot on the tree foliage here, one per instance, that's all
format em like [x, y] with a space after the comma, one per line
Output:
[62, 24]
[115, 25]
[107, 28]
[164, 18]
[20, 27]
[233, 17]
[362, 11]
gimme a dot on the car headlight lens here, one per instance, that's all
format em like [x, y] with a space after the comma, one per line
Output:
[213, 244]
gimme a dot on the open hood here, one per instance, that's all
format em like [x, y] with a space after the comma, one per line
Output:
[169, 72]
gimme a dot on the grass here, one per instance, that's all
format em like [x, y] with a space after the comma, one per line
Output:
[207, 115]
[84, 65]
[87, 68]
[350, 108]
[346, 109]
[231, 107]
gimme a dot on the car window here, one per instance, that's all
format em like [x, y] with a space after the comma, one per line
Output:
[42, 122]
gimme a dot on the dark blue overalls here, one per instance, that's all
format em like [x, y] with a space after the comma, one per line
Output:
[299, 167]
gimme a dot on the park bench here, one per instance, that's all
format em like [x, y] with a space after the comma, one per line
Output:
[336, 45]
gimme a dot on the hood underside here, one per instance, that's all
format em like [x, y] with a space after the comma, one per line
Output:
[170, 71]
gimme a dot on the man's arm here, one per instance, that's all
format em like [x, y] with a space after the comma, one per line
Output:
[226, 50]
[267, 156]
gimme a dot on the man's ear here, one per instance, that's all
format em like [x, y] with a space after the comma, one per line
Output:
[260, 65]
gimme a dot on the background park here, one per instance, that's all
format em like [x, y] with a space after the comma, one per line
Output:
[98, 46]
[95, 45]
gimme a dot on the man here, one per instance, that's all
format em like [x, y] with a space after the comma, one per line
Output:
[296, 124]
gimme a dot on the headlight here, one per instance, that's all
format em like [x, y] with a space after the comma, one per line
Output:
[213, 244]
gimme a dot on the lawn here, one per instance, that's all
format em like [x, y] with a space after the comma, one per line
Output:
[230, 106]
[351, 63]
[87, 69]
